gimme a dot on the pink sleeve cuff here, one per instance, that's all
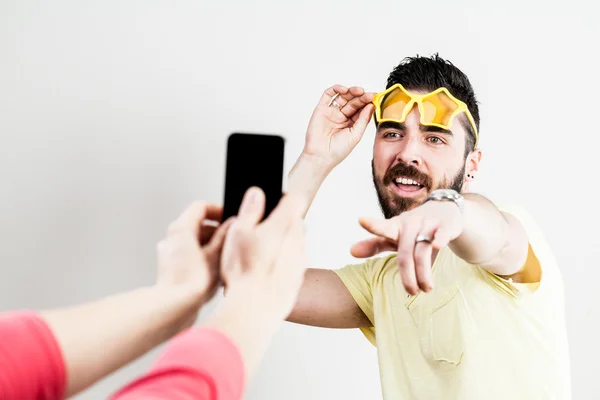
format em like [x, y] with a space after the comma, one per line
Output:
[31, 362]
[200, 363]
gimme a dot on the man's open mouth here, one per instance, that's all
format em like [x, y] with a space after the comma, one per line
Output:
[407, 185]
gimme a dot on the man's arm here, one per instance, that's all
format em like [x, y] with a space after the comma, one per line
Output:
[332, 134]
[491, 239]
[324, 301]
[481, 235]
[306, 177]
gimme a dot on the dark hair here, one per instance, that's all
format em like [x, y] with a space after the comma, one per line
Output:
[430, 73]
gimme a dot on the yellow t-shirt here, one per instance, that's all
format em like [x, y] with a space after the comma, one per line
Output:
[476, 336]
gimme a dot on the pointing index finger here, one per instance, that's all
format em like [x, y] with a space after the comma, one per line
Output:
[385, 228]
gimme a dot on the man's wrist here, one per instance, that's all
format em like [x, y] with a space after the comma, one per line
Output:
[447, 195]
[319, 165]
[449, 207]
[306, 177]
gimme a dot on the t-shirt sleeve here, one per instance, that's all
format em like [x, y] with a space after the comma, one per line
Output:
[358, 280]
[199, 364]
[31, 363]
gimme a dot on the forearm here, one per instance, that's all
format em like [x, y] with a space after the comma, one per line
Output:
[250, 321]
[306, 177]
[487, 235]
[101, 337]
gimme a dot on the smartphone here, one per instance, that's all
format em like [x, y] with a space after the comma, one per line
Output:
[253, 160]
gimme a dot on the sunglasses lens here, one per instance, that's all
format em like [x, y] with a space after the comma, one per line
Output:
[438, 109]
[392, 105]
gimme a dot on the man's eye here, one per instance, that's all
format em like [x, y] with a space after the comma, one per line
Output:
[435, 140]
[392, 135]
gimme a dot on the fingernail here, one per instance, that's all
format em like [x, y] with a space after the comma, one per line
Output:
[250, 198]
[229, 223]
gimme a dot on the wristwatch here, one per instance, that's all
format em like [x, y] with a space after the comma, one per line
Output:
[447, 195]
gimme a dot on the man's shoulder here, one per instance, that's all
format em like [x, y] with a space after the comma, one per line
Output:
[525, 218]
[512, 208]
[372, 268]
[540, 250]
[517, 210]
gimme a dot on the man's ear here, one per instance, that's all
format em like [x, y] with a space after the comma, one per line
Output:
[472, 165]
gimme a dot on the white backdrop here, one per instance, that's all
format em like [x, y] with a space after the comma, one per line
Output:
[114, 116]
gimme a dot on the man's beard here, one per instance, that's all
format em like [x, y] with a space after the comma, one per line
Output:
[391, 204]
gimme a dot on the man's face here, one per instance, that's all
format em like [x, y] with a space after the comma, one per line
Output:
[410, 161]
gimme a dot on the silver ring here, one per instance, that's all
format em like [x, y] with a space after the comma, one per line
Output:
[333, 102]
[423, 238]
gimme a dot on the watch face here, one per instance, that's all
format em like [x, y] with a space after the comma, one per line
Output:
[446, 193]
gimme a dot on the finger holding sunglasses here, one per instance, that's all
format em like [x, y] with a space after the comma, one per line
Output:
[349, 102]
[331, 93]
[355, 100]
[337, 124]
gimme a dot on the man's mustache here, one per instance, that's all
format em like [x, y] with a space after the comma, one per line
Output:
[407, 171]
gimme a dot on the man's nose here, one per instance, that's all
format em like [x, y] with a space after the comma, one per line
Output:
[409, 152]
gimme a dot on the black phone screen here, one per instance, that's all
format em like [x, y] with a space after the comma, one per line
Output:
[253, 160]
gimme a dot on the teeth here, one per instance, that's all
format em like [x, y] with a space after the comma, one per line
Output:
[406, 181]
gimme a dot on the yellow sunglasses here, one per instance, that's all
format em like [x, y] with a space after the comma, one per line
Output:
[437, 108]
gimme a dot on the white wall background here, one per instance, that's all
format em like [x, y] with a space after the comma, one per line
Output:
[114, 116]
